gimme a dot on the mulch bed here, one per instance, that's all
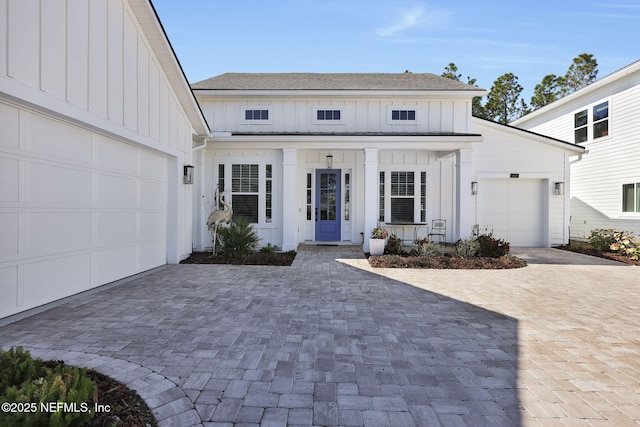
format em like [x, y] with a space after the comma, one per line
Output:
[593, 252]
[446, 262]
[127, 408]
[258, 258]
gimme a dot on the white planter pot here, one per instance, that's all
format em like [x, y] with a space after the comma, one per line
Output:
[376, 247]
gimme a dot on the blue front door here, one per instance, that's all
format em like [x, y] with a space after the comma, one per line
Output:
[328, 204]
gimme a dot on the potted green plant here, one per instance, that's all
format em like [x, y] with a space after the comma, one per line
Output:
[377, 240]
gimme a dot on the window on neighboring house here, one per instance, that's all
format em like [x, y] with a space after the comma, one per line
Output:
[405, 115]
[245, 186]
[328, 115]
[631, 197]
[580, 125]
[601, 120]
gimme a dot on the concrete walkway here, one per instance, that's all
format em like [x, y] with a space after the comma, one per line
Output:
[330, 341]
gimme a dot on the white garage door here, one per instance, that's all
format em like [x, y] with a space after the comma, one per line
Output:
[515, 209]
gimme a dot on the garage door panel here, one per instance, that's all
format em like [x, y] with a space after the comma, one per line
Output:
[514, 209]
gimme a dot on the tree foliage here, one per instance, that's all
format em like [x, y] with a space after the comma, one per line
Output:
[451, 72]
[582, 72]
[503, 102]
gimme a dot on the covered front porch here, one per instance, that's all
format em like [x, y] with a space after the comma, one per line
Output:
[335, 189]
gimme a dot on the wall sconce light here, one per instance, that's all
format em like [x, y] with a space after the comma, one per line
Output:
[559, 188]
[188, 174]
[329, 161]
[474, 188]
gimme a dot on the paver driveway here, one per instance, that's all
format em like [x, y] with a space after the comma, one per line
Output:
[330, 341]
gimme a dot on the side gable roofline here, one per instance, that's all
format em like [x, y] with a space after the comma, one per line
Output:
[157, 36]
[577, 149]
[608, 79]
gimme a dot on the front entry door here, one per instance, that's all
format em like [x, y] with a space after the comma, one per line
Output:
[328, 204]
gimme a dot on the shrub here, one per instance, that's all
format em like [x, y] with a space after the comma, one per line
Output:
[269, 249]
[626, 244]
[37, 384]
[491, 246]
[466, 248]
[601, 239]
[238, 239]
[428, 249]
[393, 246]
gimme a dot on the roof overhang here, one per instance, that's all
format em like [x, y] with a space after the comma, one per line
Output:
[351, 141]
[448, 94]
[153, 29]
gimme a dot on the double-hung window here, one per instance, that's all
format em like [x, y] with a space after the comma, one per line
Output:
[631, 197]
[601, 120]
[581, 127]
[245, 187]
[405, 197]
[591, 123]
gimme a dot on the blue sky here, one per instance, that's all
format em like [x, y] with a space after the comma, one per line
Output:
[485, 39]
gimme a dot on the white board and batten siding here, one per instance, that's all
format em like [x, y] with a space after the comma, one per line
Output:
[92, 142]
[516, 177]
[357, 115]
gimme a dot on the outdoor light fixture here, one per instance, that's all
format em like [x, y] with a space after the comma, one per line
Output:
[474, 188]
[559, 187]
[188, 174]
[329, 161]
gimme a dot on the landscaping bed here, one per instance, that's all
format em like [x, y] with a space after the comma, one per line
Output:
[446, 262]
[586, 249]
[257, 258]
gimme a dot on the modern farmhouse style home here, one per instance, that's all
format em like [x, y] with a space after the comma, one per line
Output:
[604, 119]
[96, 125]
[327, 157]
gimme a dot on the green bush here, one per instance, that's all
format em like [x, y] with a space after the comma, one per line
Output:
[238, 239]
[34, 384]
[269, 249]
[601, 239]
[393, 246]
[466, 248]
[429, 249]
[492, 247]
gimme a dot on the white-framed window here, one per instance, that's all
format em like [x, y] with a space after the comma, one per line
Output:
[631, 197]
[402, 196]
[258, 115]
[402, 115]
[327, 115]
[591, 123]
[252, 181]
[601, 120]
[580, 124]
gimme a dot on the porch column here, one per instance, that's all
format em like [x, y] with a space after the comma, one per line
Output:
[464, 208]
[370, 193]
[289, 199]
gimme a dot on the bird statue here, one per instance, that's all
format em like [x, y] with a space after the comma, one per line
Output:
[218, 216]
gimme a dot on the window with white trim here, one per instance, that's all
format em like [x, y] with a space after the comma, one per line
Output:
[601, 120]
[581, 126]
[403, 115]
[403, 197]
[256, 115]
[631, 197]
[245, 187]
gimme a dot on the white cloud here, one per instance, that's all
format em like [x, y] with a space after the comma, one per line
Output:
[407, 19]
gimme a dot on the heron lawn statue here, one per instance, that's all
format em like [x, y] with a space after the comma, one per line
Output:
[218, 216]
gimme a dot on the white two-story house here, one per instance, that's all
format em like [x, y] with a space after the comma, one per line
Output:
[327, 157]
[604, 118]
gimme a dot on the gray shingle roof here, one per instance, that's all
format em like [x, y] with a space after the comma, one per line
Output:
[332, 81]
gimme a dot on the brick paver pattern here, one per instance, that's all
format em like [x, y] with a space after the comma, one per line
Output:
[332, 342]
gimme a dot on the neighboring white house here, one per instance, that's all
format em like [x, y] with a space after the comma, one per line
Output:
[603, 117]
[327, 157]
[96, 124]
